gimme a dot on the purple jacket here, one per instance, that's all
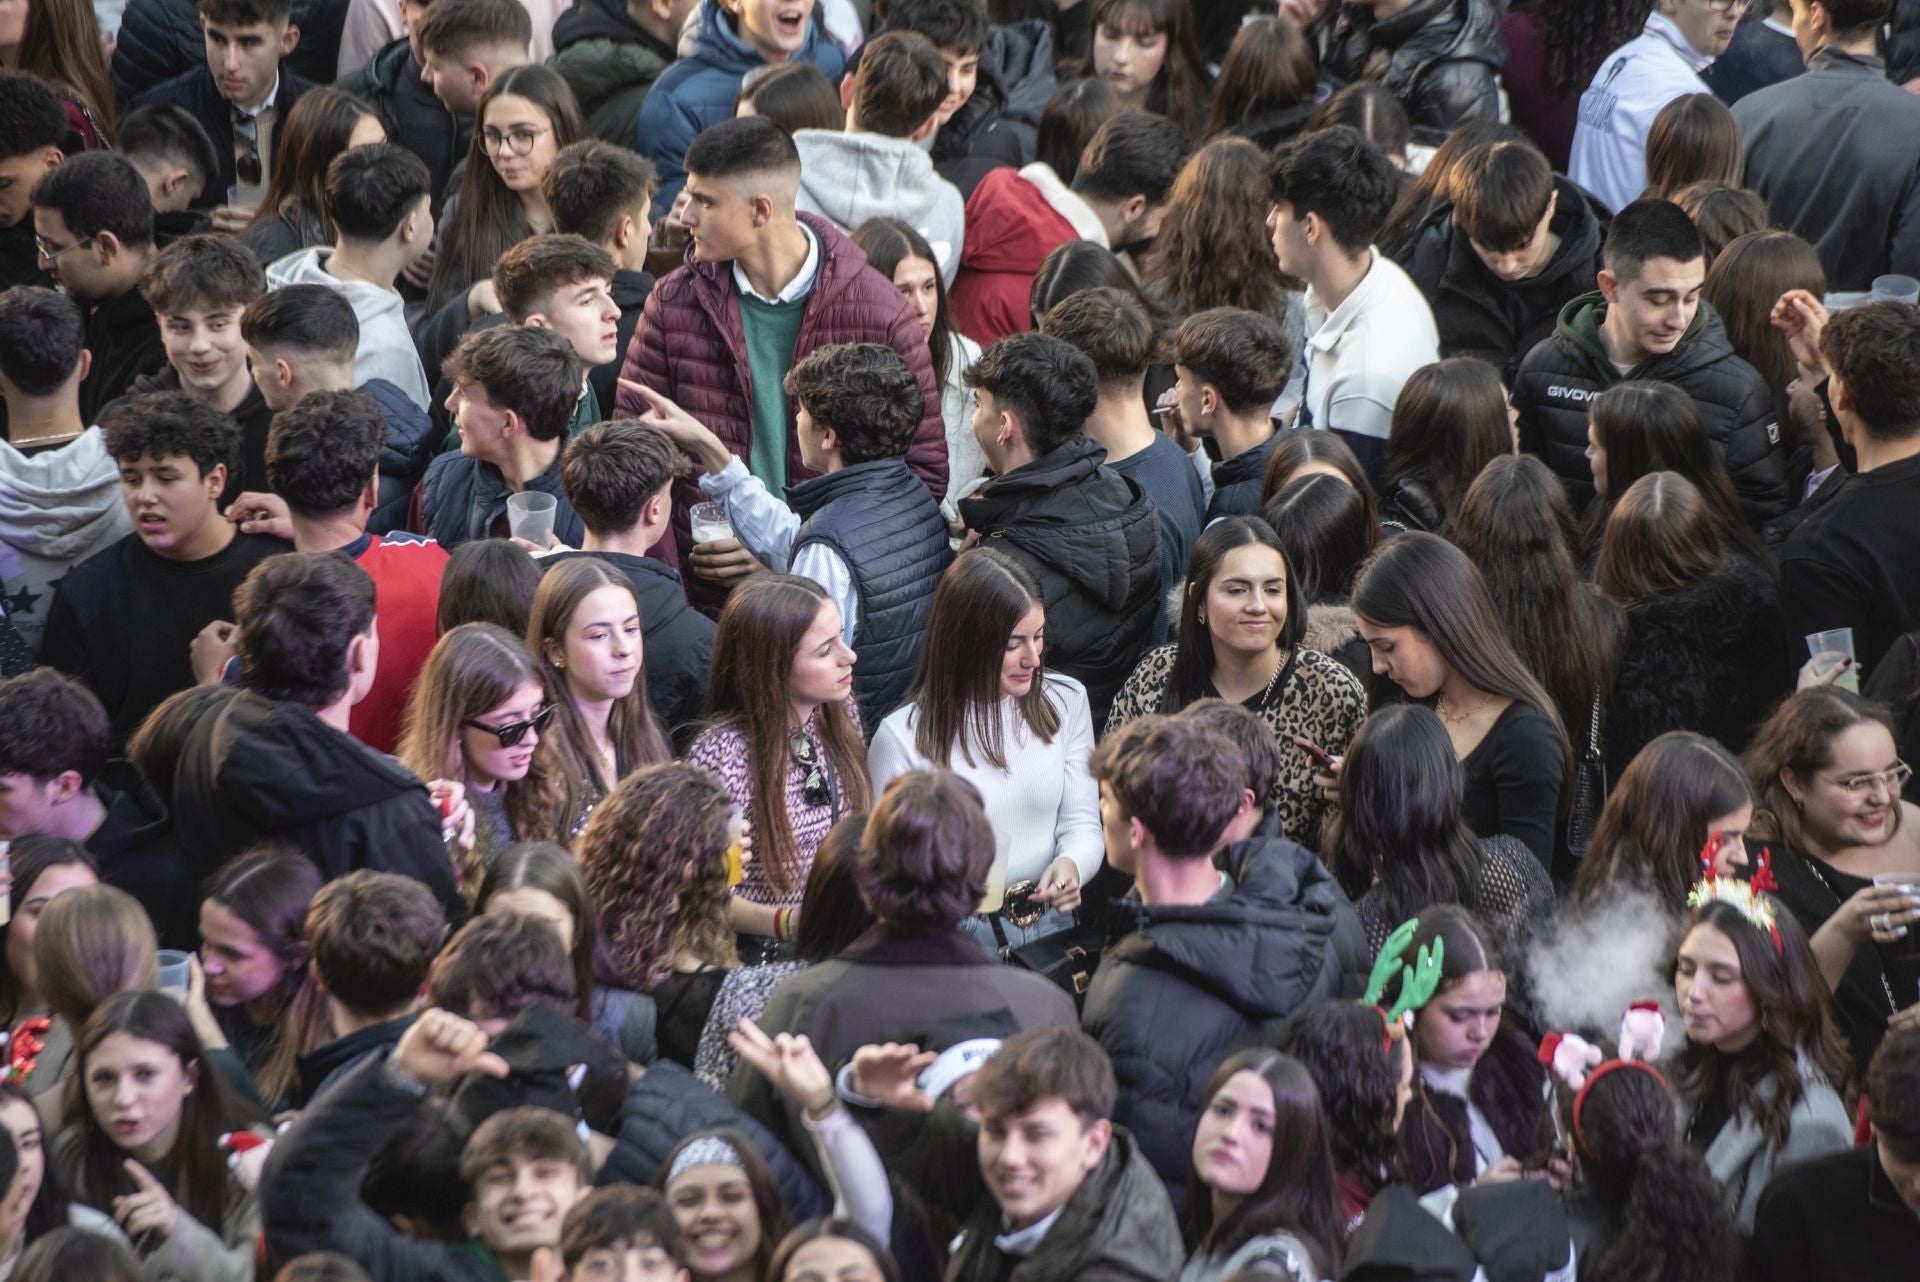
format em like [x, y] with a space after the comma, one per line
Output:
[690, 346]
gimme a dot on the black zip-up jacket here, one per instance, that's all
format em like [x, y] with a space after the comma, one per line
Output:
[124, 336]
[1852, 564]
[1557, 381]
[1499, 321]
[1440, 58]
[410, 113]
[677, 640]
[197, 93]
[1181, 987]
[135, 849]
[1092, 538]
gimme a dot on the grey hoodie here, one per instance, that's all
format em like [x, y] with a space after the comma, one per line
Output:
[57, 508]
[848, 178]
[386, 344]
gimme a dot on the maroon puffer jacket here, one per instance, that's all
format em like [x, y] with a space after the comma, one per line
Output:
[689, 346]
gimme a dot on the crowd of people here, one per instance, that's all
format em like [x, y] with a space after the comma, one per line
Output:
[1011, 640]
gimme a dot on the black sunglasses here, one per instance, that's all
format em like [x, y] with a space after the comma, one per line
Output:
[817, 790]
[514, 731]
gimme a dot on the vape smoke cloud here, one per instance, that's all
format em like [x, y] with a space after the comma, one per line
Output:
[1591, 963]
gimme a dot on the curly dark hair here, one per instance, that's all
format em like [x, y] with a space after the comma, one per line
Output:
[654, 859]
[323, 452]
[1875, 351]
[865, 393]
[1212, 250]
[170, 424]
[1341, 1045]
[1580, 34]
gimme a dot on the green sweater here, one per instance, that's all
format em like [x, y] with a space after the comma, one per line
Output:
[771, 329]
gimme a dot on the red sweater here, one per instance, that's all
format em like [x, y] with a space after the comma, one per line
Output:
[405, 569]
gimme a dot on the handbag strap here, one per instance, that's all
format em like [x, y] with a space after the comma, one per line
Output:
[1593, 728]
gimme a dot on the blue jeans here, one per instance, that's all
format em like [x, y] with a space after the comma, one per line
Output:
[1051, 922]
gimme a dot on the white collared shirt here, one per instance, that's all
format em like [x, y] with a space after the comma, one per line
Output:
[802, 283]
[273, 95]
[1023, 1242]
[1358, 356]
[1617, 110]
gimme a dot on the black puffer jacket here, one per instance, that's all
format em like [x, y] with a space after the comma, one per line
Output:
[1557, 381]
[159, 39]
[1499, 321]
[1712, 658]
[1903, 42]
[1184, 986]
[1092, 537]
[390, 83]
[1440, 58]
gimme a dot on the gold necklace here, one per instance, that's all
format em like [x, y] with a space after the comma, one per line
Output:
[1440, 707]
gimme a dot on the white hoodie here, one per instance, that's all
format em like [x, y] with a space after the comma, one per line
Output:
[386, 344]
[849, 178]
[57, 508]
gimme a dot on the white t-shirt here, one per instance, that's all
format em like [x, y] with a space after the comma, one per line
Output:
[1359, 355]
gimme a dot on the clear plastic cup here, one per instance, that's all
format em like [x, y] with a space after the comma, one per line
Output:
[1906, 948]
[1896, 289]
[709, 522]
[170, 976]
[1832, 647]
[530, 516]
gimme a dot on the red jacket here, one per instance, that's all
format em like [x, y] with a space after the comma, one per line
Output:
[1011, 228]
[690, 346]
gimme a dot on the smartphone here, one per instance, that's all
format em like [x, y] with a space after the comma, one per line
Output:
[1319, 754]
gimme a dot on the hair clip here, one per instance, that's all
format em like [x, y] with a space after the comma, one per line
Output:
[1746, 898]
[1419, 979]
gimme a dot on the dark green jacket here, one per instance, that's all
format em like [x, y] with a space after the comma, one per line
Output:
[610, 61]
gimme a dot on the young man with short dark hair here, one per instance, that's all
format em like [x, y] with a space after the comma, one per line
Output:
[761, 277]
[1113, 329]
[240, 96]
[1368, 327]
[1648, 320]
[998, 77]
[33, 126]
[523, 1168]
[198, 287]
[64, 487]
[1854, 1215]
[500, 964]
[378, 199]
[372, 937]
[173, 153]
[604, 194]
[619, 478]
[1834, 152]
[1230, 366]
[125, 618]
[1848, 564]
[59, 779]
[1016, 218]
[593, 38]
[565, 284]
[514, 392]
[306, 338]
[392, 80]
[1171, 790]
[1045, 1184]
[1514, 243]
[862, 527]
[93, 226]
[465, 45]
[626, 1232]
[1090, 535]
[877, 166]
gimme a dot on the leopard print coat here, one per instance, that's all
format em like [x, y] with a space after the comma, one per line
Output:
[1321, 701]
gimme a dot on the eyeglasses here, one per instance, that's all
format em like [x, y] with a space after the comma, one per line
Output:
[518, 141]
[514, 731]
[818, 789]
[1861, 785]
[52, 255]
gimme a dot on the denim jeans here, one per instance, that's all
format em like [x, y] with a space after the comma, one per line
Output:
[1051, 922]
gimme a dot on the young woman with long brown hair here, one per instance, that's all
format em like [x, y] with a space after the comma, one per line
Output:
[655, 857]
[1267, 84]
[984, 706]
[1744, 282]
[524, 120]
[1435, 636]
[584, 631]
[1684, 798]
[1693, 139]
[59, 41]
[1828, 773]
[1213, 250]
[481, 713]
[1146, 50]
[784, 739]
[293, 214]
[1705, 646]
[1451, 420]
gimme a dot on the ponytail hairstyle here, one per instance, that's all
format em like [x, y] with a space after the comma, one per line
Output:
[271, 890]
[1671, 1222]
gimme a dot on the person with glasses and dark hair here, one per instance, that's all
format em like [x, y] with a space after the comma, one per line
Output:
[1680, 40]
[93, 228]
[784, 739]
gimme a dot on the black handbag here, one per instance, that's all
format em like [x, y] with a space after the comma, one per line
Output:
[1589, 790]
[1067, 957]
